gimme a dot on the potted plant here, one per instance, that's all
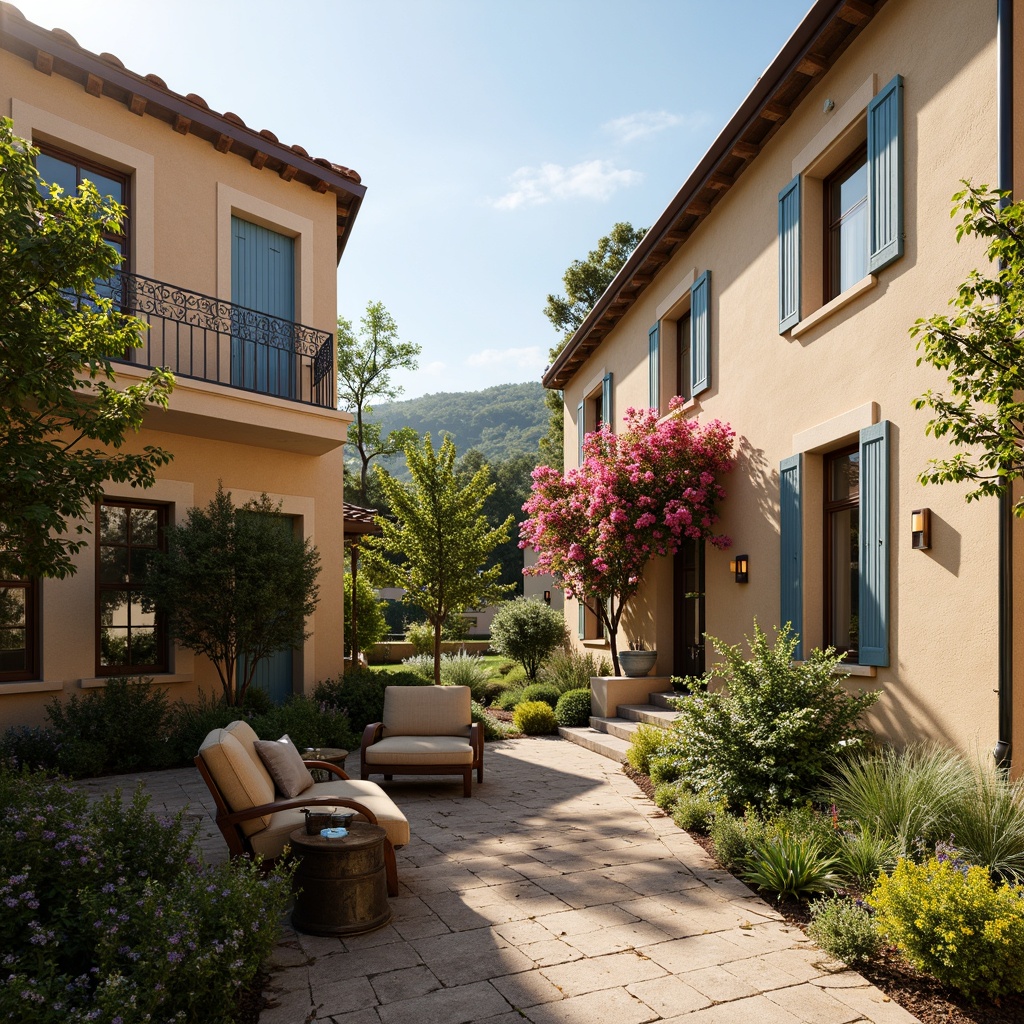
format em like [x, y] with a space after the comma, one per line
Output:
[639, 659]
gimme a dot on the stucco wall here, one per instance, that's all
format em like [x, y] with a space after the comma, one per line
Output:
[786, 394]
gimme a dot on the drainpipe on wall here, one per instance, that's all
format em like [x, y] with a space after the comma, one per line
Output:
[1002, 750]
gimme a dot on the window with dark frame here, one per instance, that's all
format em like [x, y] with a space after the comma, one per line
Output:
[19, 630]
[69, 171]
[683, 384]
[846, 224]
[842, 550]
[130, 635]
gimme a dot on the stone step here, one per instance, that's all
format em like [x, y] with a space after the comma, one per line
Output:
[621, 728]
[664, 700]
[599, 742]
[648, 714]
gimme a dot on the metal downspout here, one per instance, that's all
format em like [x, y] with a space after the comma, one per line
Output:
[1002, 750]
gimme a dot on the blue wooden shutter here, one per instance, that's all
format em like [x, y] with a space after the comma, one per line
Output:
[606, 401]
[789, 255]
[654, 367]
[873, 613]
[885, 176]
[791, 604]
[581, 431]
[700, 334]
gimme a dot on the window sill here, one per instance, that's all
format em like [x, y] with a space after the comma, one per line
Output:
[32, 686]
[865, 284]
[157, 679]
[596, 642]
[866, 671]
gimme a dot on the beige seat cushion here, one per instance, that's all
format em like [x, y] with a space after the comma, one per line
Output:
[427, 711]
[246, 735]
[420, 750]
[272, 840]
[291, 776]
[239, 780]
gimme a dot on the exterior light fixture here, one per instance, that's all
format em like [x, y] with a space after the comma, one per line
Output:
[921, 528]
[829, 106]
[547, 597]
[739, 568]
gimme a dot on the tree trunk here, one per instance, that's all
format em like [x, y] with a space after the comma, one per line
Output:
[437, 653]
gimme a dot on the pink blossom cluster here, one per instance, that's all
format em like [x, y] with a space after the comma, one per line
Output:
[638, 495]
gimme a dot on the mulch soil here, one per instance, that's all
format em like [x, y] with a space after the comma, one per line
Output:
[917, 993]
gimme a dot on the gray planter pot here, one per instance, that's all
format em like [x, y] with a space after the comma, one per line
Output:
[637, 663]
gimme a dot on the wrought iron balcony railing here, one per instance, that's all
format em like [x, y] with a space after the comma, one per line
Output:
[204, 338]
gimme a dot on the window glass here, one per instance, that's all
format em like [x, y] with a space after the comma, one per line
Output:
[846, 196]
[18, 641]
[131, 636]
[842, 555]
[683, 356]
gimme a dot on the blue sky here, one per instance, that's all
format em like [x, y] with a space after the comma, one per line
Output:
[497, 140]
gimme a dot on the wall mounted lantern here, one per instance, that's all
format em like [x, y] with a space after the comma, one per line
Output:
[739, 567]
[547, 597]
[921, 528]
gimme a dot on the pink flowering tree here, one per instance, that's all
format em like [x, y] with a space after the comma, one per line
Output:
[638, 494]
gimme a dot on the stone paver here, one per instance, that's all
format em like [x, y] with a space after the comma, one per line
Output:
[556, 894]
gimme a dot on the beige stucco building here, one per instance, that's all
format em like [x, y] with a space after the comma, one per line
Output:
[231, 248]
[775, 293]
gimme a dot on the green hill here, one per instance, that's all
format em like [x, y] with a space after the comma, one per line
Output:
[499, 422]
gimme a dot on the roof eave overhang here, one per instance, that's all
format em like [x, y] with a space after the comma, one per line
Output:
[827, 30]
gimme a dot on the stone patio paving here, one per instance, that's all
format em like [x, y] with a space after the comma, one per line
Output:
[557, 894]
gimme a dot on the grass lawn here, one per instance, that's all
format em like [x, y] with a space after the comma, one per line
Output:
[491, 661]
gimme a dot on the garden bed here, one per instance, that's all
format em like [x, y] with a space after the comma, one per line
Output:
[917, 993]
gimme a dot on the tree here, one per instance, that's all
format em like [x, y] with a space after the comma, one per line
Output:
[364, 375]
[236, 585]
[437, 545]
[62, 424]
[981, 350]
[373, 627]
[638, 494]
[585, 282]
[528, 631]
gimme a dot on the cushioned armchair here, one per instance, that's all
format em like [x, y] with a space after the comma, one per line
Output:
[256, 817]
[427, 730]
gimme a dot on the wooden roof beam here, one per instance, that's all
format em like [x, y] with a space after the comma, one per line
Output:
[137, 104]
[182, 125]
[856, 11]
[94, 85]
[745, 150]
[812, 65]
[773, 111]
[44, 62]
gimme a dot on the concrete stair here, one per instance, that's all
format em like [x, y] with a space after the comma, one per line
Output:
[611, 736]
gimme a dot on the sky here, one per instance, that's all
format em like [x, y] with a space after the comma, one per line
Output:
[498, 141]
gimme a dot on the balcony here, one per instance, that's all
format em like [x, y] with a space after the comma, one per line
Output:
[199, 337]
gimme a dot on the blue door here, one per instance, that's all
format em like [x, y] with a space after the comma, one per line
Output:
[262, 279]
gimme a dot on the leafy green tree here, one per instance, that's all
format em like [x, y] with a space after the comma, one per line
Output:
[980, 348]
[236, 585]
[370, 621]
[437, 542]
[528, 631]
[62, 424]
[365, 365]
[585, 282]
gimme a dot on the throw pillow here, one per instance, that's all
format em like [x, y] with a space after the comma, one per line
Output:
[284, 762]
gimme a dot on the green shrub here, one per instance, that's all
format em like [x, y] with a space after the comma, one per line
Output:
[508, 699]
[32, 747]
[769, 736]
[863, 855]
[360, 694]
[542, 691]
[789, 866]
[665, 768]
[573, 708]
[949, 919]
[571, 669]
[505, 667]
[667, 793]
[728, 835]
[421, 664]
[493, 729]
[901, 795]
[694, 812]
[189, 723]
[647, 742]
[845, 930]
[112, 730]
[110, 913]
[534, 718]
[464, 669]
[421, 636]
[528, 631]
[371, 625]
[308, 722]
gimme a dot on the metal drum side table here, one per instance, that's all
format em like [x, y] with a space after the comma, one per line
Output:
[341, 884]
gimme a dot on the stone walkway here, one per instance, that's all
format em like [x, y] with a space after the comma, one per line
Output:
[557, 894]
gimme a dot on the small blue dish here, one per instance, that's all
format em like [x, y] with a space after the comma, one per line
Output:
[334, 833]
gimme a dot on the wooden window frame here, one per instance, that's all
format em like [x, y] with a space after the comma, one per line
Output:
[162, 641]
[683, 342]
[831, 284]
[830, 507]
[32, 631]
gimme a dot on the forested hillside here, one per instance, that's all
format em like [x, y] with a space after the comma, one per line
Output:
[499, 422]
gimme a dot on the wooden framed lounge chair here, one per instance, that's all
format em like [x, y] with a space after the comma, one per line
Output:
[426, 730]
[255, 819]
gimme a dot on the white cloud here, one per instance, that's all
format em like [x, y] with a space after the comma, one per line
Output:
[528, 358]
[649, 122]
[434, 369]
[593, 179]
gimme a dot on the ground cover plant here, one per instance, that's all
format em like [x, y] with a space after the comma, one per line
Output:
[109, 915]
